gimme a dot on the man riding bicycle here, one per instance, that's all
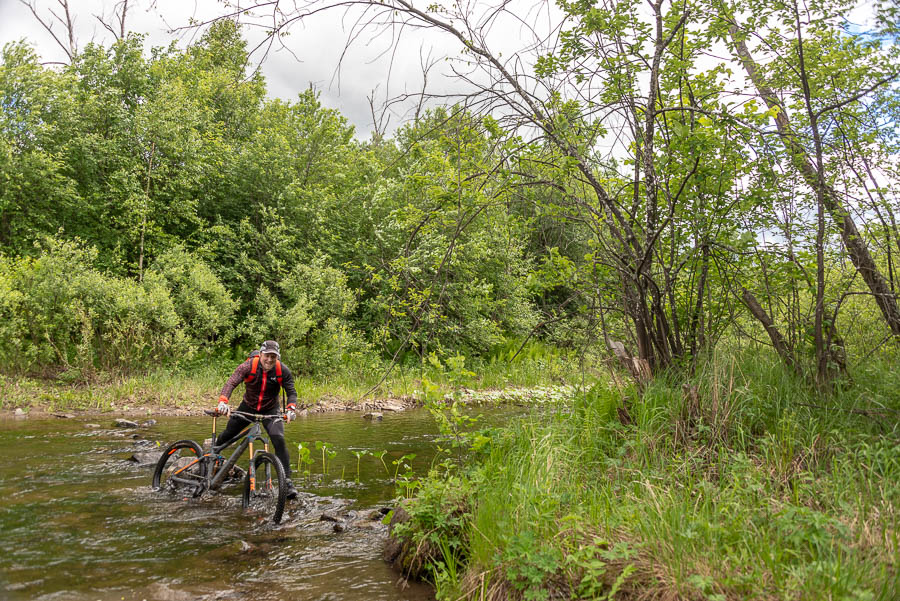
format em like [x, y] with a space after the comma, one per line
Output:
[264, 376]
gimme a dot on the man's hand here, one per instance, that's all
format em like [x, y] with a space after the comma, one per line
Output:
[223, 405]
[291, 414]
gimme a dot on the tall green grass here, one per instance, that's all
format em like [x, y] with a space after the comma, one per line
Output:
[741, 483]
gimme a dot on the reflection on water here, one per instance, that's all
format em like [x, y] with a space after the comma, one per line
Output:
[79, 522]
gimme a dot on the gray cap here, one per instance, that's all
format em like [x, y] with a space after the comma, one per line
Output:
[270, 346]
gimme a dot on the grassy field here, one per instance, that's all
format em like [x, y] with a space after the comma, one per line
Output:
[740, 484]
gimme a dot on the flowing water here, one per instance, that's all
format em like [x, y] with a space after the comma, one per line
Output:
[79, 522]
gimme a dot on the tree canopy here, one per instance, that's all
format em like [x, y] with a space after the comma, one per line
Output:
[611, 186]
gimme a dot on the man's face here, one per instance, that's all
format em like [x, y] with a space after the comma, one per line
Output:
[268, 360]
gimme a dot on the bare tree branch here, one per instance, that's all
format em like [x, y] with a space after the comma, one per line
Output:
[67, 21]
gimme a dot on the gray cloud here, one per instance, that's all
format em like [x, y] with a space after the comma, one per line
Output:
[313, 53]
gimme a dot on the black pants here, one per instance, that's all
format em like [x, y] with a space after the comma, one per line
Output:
[274, 427]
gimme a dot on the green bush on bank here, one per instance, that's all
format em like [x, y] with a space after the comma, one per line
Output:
[313, 322]
[204, 306]
[742, 484]
[58, 312]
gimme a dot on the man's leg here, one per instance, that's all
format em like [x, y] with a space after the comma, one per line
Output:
[232, 428]
[282, 453]
[275, 428]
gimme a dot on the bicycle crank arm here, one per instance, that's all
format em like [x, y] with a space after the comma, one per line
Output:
[187, 482]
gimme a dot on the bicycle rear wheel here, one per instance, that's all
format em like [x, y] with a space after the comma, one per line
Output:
[265, 492]
[181, 470]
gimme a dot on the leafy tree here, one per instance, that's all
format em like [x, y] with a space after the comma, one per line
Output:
[452, 272]
[36, 195]
[59, 311]
[312, 323]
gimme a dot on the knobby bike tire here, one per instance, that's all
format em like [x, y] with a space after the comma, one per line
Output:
[194, 472]
[270, 493]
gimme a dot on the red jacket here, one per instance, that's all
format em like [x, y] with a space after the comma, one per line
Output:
[261, 390]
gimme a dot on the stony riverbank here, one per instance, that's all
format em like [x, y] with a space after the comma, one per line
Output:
[522, 396]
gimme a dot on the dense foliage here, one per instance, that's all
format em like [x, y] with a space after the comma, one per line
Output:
[154, 207]
[636, 204]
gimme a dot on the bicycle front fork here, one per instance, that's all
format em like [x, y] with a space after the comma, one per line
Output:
[252, 473]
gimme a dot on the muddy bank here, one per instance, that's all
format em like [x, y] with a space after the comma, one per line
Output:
[540, 395]
[327, 404]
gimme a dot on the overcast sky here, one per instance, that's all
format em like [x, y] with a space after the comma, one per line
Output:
[316, 46]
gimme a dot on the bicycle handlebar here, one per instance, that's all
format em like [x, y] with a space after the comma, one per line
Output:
[256, 417]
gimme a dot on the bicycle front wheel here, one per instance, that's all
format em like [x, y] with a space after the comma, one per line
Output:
[264, 486]
[181, 470]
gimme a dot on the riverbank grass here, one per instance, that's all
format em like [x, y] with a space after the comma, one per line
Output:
[198, 385]
[741, 484]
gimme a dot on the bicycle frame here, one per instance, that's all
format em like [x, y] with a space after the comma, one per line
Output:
[252, 432]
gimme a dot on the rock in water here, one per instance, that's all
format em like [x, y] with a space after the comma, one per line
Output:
[393, 547]
[146, 458]
[125, 423]
[379, 513]
[163, 592]
[374, 416]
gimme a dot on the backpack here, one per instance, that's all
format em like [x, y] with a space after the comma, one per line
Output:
[255, 365]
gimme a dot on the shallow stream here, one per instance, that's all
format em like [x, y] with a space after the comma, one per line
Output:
[79, 522]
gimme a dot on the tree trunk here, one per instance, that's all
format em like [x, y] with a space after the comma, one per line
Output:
[856, 246]
[774, 335]
[144, 220]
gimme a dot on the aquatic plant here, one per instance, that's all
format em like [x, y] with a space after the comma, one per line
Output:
[326, 451]
[398, 463]
[304, 459]
[359, 455]
[380, 455]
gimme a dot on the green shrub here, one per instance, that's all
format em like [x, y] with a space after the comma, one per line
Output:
[434, 541]
[61, 314]
[203, 304]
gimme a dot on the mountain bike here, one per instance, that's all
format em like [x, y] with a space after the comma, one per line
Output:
[186, 470]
